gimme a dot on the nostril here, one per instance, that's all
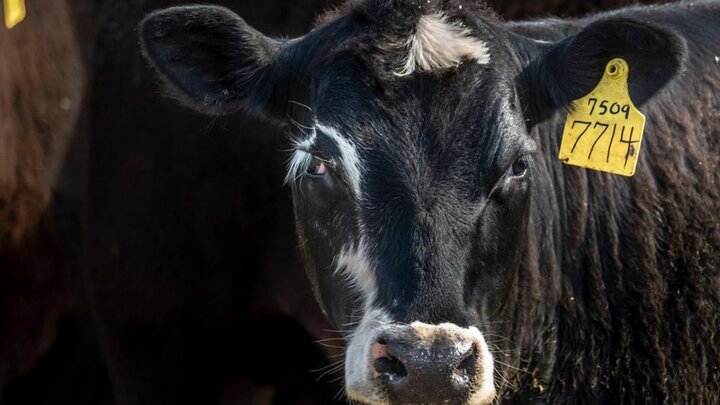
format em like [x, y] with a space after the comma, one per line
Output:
[390, 366]
[386, 364]
[467, 367]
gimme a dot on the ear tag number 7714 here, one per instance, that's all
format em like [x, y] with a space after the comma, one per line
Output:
[604, 130]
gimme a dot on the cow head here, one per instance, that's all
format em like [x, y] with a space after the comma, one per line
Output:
[413, 167]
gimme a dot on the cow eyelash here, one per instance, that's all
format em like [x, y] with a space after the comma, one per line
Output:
[301, 161]
[297, 165]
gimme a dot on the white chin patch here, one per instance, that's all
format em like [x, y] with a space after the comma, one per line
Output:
[360, 382]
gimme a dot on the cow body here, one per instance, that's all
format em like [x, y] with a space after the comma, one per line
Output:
[41, 82]
[622, 276]
[435, 219]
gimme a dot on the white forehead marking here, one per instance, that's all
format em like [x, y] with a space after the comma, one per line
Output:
[349, 157]
[353, 263]
[439, 43]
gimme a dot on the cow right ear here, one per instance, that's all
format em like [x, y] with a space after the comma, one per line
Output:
[212, 60]
[570, 69]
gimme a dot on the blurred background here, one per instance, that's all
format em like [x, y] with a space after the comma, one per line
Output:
[147, 252]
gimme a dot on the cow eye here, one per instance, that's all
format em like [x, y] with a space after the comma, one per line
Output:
[317, 167]
[519, 168]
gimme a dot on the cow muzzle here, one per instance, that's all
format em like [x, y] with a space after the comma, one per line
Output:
[420, 364]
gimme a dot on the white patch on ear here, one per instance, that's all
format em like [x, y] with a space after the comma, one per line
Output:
[439, 43]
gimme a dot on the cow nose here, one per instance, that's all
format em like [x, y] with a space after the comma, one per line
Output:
[424, 368]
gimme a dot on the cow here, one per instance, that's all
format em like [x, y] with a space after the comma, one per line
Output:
[41, 87]
[438, 228]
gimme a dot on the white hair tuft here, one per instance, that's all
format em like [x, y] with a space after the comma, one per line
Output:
[439, 43]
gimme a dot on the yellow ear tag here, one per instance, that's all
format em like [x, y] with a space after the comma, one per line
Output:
[604, 130]
[14, 12]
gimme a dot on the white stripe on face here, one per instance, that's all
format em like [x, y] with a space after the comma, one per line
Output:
[354, 265]
[349, 157]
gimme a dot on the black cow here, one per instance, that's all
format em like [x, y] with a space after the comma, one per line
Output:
[437, 223]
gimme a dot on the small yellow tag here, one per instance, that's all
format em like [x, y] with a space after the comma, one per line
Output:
[604, 130]
[14, 12]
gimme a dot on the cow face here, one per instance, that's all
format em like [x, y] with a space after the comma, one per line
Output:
[412, 167]
[411, 198]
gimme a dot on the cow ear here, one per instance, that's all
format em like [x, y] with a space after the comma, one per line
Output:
[212, 60]
[570, 69]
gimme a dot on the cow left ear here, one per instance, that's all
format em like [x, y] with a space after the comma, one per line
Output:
[214, 62]
[570, 69]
